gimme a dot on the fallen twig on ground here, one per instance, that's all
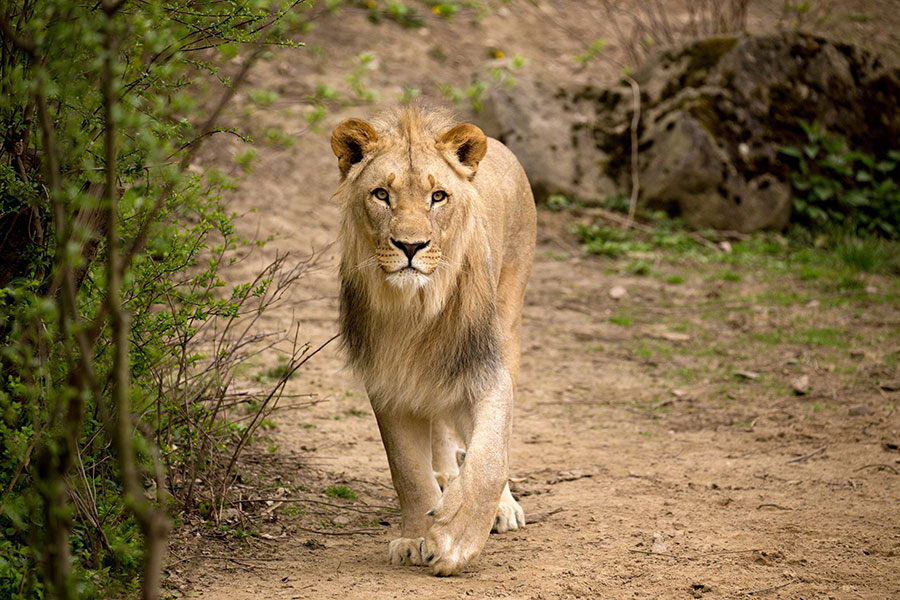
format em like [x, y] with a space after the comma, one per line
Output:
[541, 517]
[365, 531]
[354, 507]
[694, 556]
[773, 588]
[806, 456]
[666, 554]
[879, 465]
[770, 505]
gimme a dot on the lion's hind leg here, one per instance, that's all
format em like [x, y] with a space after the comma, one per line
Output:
[446, 451]
[510, 515]
[406, 551]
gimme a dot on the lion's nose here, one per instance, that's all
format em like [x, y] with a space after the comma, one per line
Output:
[409, 248]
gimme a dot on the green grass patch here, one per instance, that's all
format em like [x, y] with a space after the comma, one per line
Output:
[620, 320]
[817, 336]
[647, 349]
[686, 374]
[638, 267]
[824, 336]
[340, 491]
[772, 338]
[279, 371]
[782, 297]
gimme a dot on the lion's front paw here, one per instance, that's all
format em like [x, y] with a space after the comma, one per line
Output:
[406, 551]
[446, 555]
[459, 531]
[510, 515]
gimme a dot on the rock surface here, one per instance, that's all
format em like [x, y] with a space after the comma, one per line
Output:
[713, 116]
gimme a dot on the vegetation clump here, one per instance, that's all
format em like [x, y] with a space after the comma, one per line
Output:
[118, 332]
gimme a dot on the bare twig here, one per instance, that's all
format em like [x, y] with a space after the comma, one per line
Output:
[695, 556]
[635, 124]
[541, 517]
[667, 555]
[364, 531]
[770, 505]
[360, 508]
[773, 588]
[818, 450]
[878, 466]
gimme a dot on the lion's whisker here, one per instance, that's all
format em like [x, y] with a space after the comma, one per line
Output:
[365, 263]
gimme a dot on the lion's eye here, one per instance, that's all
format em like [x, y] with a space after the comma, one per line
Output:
[381, 194]
[439, 196]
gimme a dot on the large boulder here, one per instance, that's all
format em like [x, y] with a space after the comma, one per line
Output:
[713, 116]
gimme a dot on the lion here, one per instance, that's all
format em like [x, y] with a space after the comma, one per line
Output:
[437, 242]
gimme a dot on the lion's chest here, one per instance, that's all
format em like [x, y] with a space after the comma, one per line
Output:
[420, 366]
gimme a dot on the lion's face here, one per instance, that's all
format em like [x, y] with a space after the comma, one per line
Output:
[408, 197]
[411, 213]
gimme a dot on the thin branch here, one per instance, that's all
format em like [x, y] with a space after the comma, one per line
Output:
[365, 531]
[635, 124]
[24, 44]
[878, 466]
[773, 588]
[360, 508]
[818, 450]
[153, 521]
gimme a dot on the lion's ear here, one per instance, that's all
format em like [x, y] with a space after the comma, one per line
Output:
[467, 142]
[350, 142]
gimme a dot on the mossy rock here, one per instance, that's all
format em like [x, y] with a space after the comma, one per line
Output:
[731, 101]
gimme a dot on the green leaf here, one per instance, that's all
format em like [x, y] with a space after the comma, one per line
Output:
[856, 198]
[823, 191]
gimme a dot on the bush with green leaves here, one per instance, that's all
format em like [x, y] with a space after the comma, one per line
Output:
[118, 334]
[840, 190]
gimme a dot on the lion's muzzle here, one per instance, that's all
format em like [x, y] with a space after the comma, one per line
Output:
[410, 248]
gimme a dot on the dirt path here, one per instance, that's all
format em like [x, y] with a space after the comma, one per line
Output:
[645, 467]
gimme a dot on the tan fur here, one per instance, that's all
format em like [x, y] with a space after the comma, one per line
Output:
[431, 300]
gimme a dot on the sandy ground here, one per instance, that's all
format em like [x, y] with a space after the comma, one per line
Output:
[645, 467]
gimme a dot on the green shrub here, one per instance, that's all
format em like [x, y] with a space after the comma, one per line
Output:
[115, 370]
[837, 189]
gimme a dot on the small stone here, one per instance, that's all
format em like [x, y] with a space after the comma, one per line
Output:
[800, 385]
[617, 292]
[229, 515]
[725, 246]
[341, 520]
[890, 386]
[858, 410]
[674, 336]
[659, 543]
[871, 289]
[746, 374]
